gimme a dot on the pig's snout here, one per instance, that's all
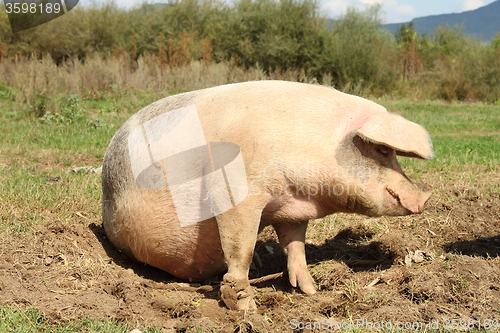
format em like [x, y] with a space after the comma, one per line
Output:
[418, 206]
[413, 201]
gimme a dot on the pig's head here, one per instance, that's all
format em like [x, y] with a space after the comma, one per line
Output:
[367, 155]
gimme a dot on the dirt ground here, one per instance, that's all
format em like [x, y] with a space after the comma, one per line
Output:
[436, 267]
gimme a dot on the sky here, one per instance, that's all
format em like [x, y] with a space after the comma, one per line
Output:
[397, 11]
[394, 11]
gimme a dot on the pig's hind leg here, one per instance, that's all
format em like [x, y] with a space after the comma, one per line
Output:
[292, 238]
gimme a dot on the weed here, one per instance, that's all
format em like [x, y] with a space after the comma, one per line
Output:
[460, 284]
[40, 105]
[70, 112]
[376, 298]
[7, 93]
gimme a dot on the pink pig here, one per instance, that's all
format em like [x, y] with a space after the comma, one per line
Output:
[190, 180]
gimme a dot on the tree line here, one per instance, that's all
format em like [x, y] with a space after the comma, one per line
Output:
[351, 53]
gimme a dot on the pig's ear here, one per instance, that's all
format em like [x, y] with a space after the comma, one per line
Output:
[407, 138]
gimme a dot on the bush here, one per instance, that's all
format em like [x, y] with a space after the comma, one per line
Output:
[274, 35]
[358, 54]
[461, 68]
[70, 112]
[102, 51]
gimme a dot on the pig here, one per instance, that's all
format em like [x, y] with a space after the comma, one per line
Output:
[190, 180]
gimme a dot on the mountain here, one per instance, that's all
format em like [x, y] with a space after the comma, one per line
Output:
[483, 23]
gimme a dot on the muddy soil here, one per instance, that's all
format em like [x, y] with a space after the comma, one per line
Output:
[432, 268]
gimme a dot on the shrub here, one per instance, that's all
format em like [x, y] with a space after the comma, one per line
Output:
[102, 51]
[357, 53]
[464, 69]
[275, 35]
[69, 112]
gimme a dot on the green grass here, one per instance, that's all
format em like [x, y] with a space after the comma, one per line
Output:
[88, 136]
[462, 134]
[36, 159]
[28, 320]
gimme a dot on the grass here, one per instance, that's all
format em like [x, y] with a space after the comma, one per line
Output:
[30, 321]
[462, 134]
[35, 160]
[36, 155]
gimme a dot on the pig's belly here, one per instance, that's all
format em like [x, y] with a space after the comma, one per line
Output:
[193, 253]
[292, 208]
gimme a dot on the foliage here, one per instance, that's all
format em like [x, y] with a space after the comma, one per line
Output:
[285, 34]
[287, 39]
[356, 52]
[70, 112]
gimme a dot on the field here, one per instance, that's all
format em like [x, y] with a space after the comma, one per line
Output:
[59, 273]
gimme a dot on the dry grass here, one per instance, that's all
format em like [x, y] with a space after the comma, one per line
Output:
[34, 80]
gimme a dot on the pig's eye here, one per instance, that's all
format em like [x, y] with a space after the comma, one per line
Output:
[383, 151]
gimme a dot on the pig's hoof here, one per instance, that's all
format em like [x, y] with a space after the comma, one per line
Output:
[302, 279]
[308, 289]
[237, 294]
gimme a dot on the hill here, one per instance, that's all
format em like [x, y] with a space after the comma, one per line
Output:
[482, 23]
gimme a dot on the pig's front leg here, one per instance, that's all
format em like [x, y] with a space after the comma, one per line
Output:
[292, 237]
[238, 229]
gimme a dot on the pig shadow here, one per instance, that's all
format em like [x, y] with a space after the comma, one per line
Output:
[349, 246]
[149, 272]
[481, 247]
[121, 259]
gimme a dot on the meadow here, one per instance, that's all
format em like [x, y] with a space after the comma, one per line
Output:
[58, 273]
